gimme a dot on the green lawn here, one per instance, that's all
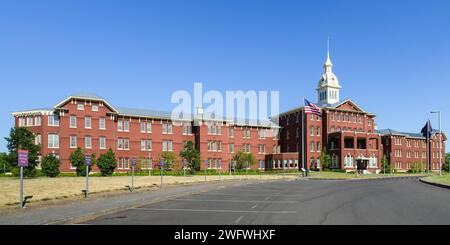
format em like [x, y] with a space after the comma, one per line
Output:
[337, 175]
[444, 179]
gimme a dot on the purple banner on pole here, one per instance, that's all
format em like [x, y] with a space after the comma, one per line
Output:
[22, 157]
[88, 160]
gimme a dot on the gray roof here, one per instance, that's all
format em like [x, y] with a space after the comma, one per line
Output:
[87, 96]
[406, 134]
[144, 113]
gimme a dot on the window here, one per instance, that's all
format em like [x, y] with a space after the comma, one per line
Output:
[73, 141]
[262, 133]
[126, 125]
[231, 131]
[53, 120]
[348, 161]
[37, 121]
[95, 108]
[88, 122]
[318, 131]
[126, 144]
[38, 139]
[167, 128]
[21, 122]
[120, 125]
[88, 142]
[318, 147]
[143, 127]
[102, 143]
[102, 123]
[187, 129]
[149, 127]
[231, 148]
[30, 121]
[167, 145]
[312, 146]
[73, 121]
[312, 131]
[143, 145]
[80, 107]
[373, 162]
[149, 145]
[53, 141]
[261, 149]
[120, 144]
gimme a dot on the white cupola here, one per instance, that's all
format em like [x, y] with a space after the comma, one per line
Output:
[328, 88]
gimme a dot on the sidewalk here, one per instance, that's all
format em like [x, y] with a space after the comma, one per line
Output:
[78, 210]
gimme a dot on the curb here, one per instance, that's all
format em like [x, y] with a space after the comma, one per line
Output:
[435, 184]
[363, 179]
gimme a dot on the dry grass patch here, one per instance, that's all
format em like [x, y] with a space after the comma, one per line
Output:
[43, 189]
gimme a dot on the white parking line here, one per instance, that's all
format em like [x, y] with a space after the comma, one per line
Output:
[215, 211]
[238, 220]
[255, 206]
[234, 201]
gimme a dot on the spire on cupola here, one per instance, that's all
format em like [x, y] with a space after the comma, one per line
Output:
[328, 65]
[328, 88]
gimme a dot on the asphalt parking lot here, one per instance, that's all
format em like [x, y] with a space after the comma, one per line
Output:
[299, 202]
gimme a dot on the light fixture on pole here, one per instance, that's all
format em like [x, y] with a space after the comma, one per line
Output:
[440, 141]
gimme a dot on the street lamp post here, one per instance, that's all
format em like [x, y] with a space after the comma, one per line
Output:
[440, 141]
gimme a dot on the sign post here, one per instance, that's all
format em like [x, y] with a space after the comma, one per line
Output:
[22, 162]
[88, 162]
[133, 165]
[184, 170]
[234, 167]
[161, 169]
[206, 166]
[220, 169]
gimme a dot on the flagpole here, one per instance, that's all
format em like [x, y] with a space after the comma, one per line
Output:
[303, 138]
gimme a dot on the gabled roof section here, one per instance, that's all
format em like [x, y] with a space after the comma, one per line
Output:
[386, 132]
[85, 96]
[348, 102]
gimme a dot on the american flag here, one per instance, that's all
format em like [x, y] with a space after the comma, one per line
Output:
[311, 108]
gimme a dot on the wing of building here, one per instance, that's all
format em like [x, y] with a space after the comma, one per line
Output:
[345, 131]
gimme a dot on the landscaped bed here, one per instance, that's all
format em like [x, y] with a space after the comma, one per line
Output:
[444, 179]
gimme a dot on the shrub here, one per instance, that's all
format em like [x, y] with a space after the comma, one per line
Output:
[107, 163]
[77, 159]
[50, 166]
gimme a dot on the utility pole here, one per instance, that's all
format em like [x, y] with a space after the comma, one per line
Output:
[440, 141]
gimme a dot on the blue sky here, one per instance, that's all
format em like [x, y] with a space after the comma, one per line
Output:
[391, 57]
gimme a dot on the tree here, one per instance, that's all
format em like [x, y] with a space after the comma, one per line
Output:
[107, 163]
[4, 166]
[191, 155]
[386, 166]
[447, 162]
[77, 159]
[22, 139]
[325, 159]
[244, 160]
[169, 159]
[50, 166]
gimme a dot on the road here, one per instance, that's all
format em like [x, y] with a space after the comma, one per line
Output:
[299, 202]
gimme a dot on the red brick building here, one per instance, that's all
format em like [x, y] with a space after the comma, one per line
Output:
[406, 151]
[345, 130]
[90, 122]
